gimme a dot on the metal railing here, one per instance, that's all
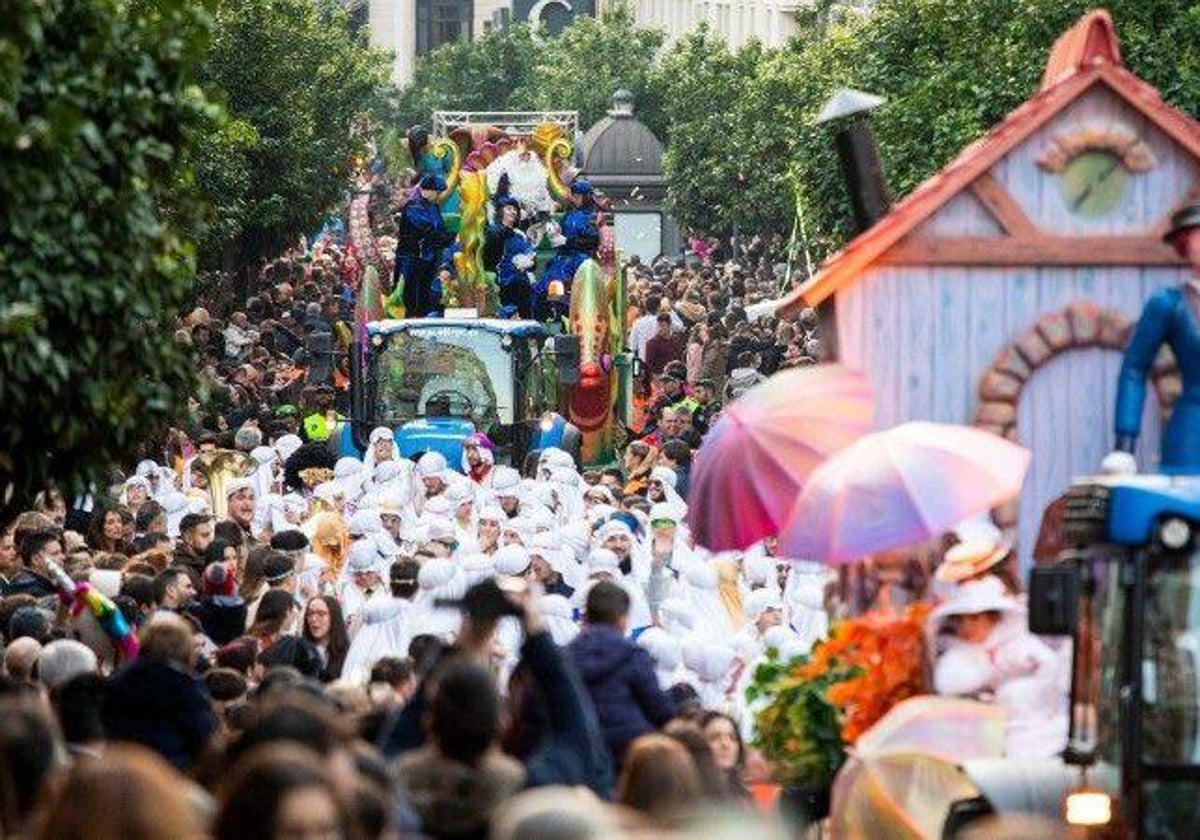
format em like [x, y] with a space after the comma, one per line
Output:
[511, 122]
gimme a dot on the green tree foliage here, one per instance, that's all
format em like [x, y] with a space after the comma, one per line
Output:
[510, 69]
[299, 88]
[712, 151]
[949, 71]
[591, 60]
[97, 108]
[478, 75]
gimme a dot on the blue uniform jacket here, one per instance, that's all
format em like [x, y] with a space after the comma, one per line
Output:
[422, 233]
[1168, 318]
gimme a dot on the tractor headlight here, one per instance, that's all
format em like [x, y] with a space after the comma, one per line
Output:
[1175, 533]
[1086, 806]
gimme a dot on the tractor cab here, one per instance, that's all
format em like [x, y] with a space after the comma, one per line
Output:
[1128, 591]
[435, 381]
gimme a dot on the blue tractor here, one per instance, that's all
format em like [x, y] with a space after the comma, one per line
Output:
[1128, 591]
[436, 381]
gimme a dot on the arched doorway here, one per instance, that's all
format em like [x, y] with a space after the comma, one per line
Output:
[1074, 351]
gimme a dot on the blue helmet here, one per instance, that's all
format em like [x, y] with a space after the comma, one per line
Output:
[581, 186]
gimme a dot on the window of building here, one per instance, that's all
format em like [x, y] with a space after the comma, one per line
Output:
[442, 21]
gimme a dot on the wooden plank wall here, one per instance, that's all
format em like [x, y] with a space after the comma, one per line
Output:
[925, 336]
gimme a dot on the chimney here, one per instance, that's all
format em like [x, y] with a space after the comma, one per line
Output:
[859, 153]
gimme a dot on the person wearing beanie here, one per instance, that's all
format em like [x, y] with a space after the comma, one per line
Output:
[432, 469]
[221, 611]
[506, 489]
[421, 237]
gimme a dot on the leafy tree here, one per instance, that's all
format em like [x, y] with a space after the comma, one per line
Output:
[708, 163]
[299, 88]
[589, 61]
[510, 69]
[97, 110]
[475, 75]
[949, 71]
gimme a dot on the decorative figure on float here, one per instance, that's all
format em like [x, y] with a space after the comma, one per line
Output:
[421, 239]
[1170, 317]
[578, 240]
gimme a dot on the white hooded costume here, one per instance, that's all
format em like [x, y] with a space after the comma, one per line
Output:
[1012, 664]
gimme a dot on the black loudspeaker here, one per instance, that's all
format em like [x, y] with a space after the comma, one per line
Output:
[566, 358]
[1054, 600]
[319, 348]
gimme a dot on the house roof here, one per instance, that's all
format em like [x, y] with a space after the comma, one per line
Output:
[1086, 55]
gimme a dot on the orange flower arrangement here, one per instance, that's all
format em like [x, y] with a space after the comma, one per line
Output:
[884, 656]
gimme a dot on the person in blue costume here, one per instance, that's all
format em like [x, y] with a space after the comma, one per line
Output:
[580, 237]
[420, 240]
[1170, 317]
[510, 256]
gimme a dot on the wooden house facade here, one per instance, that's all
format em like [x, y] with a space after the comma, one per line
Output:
[1002, 290]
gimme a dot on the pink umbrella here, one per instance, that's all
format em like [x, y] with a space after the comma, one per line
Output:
[756, 457]
[900, 487]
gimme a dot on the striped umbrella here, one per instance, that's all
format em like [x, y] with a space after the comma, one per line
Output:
[754, 461]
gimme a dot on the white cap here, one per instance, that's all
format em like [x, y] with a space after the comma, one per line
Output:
[439, 505]
[986, 594]
[364, 523]
[287, 445]
[237, 485]
[264, 455]
[663, 648]
[436, 573]
[493, 513]
[381, 433]
[505, 481]
[760, 601]
[386, 471]
[613, 528]
[666, 475]
[364, 557]
[346, 467]
[511, 560]
[664, 511]
[702, 576]
[711, 661]
[432, 465]
[441, 528]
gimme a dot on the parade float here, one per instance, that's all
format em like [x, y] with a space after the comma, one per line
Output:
[558, 380]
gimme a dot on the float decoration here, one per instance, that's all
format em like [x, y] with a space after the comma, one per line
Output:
[822, 703]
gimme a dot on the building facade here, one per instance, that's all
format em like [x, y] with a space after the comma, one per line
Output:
[412, 28]
[737, 21]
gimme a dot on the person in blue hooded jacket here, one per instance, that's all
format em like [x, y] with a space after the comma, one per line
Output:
[1170, 317]
[578, 240]
[617, 673]
[420, 241]
[510, 255]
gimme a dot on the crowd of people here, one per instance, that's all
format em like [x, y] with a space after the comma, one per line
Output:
[378, 647]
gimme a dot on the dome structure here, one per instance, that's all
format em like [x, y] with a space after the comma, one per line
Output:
[621, 156]
[621, 145]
